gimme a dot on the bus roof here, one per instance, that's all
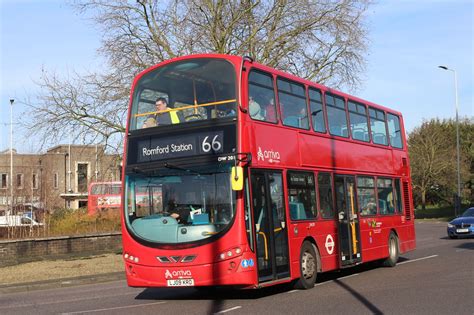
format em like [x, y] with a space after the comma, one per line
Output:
[238, 60]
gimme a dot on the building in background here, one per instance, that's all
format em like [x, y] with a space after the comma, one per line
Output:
[56, 179]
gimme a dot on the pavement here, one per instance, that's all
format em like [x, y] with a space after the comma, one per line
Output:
[61, 273]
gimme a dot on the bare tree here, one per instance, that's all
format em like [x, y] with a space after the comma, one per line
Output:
[92, 107]
[324, 41]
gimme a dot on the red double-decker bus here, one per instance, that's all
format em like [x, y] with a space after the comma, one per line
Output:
[254, 177]
[104, 196]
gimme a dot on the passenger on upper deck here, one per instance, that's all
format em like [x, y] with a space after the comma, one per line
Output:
[255, 109]
[163, 115]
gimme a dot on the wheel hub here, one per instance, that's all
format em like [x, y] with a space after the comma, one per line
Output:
[308, 265]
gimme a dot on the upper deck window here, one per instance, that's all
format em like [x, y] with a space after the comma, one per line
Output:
[358, 121]
[337, 120]
[262, 97]
[317, 110]
[394, 131]
[377, 126]
[292, 99]
[184, 91]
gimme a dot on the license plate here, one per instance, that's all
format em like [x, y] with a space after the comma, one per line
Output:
[462, 230]
[180, 282]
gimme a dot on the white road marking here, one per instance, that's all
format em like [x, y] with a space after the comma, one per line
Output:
[292, 291]
[418, 259]
[114, 308]
[228, 310]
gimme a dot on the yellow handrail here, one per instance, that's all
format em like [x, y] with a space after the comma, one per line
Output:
[185, 107]
[354, 240]
[265, 243]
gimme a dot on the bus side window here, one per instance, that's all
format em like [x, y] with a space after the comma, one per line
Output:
[398, 196]
[326, 204]
[261, 97]
[301, 195]
[358, 121]
[366, 195]
[394, 131]
[385, 196]
[336, 111]
[317, 110]
[377, 126]
[292, 99]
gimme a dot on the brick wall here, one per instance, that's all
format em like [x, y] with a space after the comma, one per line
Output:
[14, 252]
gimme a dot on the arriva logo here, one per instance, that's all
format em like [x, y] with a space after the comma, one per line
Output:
[270, 155]
[178, 274]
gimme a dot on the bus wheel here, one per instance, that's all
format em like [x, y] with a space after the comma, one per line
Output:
[308, 267]
[393, 251]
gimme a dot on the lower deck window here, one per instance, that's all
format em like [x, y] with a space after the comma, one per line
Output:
[366, 196]
[326, 205]
[385, 196]
[301, 196]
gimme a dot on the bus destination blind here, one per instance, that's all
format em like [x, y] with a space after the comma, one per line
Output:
[155, 149]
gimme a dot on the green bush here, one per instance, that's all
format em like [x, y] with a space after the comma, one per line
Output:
[438, 212]
[77, 222]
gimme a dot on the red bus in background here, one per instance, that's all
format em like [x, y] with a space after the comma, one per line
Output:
[251, 177]
[104, 196]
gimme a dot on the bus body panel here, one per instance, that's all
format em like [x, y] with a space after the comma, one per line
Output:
[219, 273]
[294, 149]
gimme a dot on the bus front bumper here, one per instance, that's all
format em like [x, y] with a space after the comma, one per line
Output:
[239, 271]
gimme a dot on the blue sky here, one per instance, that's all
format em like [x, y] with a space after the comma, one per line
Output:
[408, 40]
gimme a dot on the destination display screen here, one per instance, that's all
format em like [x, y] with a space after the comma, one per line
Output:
[163, 147]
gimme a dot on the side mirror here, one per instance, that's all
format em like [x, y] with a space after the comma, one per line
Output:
[237, 178]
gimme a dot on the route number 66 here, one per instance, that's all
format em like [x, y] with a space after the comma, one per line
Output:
[215, 144]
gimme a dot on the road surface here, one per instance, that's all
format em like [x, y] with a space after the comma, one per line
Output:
[437, 278]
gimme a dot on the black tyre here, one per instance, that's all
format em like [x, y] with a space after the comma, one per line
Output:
[308, 267]
[393, 251]
[451, 236]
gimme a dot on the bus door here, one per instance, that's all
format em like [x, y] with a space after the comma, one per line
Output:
[270, 225]
[346, 206]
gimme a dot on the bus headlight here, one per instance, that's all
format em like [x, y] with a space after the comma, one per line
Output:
[230, 253]
[131, 258]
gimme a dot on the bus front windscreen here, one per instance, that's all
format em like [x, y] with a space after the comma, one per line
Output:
[183, 206]
[184, 91]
